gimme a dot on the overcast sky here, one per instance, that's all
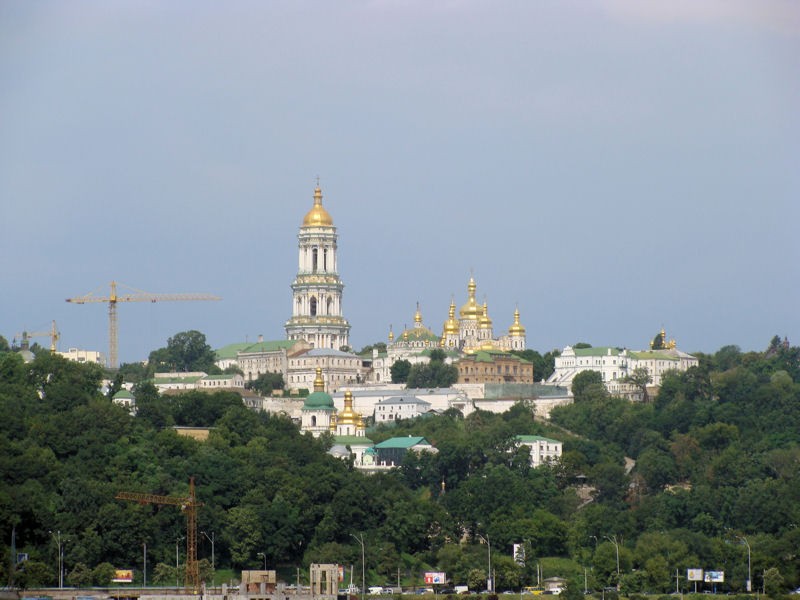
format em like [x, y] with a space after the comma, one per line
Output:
[608, 166]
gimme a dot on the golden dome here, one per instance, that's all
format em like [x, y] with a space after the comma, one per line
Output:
[317, 216]
[471, 310]
[485, 322]
[418, 316]
[348, 416]
[516, 328]
[391, 334]
[451, 325]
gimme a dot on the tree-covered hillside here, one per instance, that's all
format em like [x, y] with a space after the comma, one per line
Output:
[708, 468]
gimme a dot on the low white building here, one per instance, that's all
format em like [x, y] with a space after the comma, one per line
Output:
[615, 364]
[227, 381]
[400, 407]
[543, 450]
[339, 369]
[84, 356]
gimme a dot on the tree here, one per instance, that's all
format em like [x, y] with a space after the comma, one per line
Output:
[186, 351]
[583, 381]
[265, 384]
[4, 346]
[399, 370]
[640, 377]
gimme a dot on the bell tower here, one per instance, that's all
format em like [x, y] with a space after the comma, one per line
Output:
[317, 290]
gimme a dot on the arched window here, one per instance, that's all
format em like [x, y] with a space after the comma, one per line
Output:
[314, 260]
[313, 306]
[325, 259]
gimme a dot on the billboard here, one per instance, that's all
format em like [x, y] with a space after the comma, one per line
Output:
[694, 574]
[714, 576]
[433, 577]
[123, 576]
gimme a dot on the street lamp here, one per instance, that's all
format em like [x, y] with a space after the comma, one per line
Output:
[177, 560]
[360, 539]
[144, 565]
[264, 556]
[210, 539]
[490, 580]
[616, 545]
[749, 583]
[57, 538]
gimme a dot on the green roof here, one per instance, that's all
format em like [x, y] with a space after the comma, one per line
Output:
[493, 355]
[351, 440]
[123, 394]
[598, 351]
[232, 350]
[402, 442]
[319, 401]
[530, 439]
[223, 376]
[162, 380]
[652, 354]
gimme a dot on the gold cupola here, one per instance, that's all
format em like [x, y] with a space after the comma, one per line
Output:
[485, 322]
[471, 310]
[451, 325]
[391, 334]
[317, 216]
[418, 317]
[516, 329]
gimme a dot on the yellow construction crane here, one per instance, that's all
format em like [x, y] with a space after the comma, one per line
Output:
[53, 334]
[188, 504]
[135, 296]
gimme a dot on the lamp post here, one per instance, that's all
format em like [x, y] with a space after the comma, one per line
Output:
[144, 565]
[360, 539]
[210, 539]
[616, 546]
[57, 538]
[749, 582]
[490, 580]
[177, 560]
[264, 556]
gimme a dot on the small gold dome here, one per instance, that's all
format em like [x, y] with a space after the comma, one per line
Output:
[348, 416]
[451, 325]
[485, 322]
[317, 216]
[516, 328]
[471, 310]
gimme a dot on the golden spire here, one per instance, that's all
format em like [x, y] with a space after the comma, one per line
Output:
[391, 334]
[485, 321]
[317, 216]
[451, 325]
[471, 310]
[319, 383]
[417, 317]
[516, 328]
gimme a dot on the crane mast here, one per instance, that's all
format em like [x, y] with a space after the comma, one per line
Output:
[189, 505]
[135, 296]
[53, 334]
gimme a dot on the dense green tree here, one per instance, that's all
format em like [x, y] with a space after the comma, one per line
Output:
[400, 370]
[266, 383]
[583, 382]
[186, 351]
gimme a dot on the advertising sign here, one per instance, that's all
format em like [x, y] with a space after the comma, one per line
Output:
[519, 554]
[694, 574]
[341, 573]
[123, 576]
[714, 577]
[431, 577]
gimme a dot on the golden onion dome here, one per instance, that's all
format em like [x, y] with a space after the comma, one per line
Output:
[418, 316]
[451, 325]
[317, 216]
[485, 322]
[348, 416]
[471, 310]
[391, 334]
[516, 328]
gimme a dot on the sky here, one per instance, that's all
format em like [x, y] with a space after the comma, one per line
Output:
[609, 167]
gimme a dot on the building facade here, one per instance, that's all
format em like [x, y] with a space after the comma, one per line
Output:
[317, 315]
[494, 367]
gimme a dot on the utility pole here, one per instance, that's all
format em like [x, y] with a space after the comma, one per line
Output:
[616, 545]
[144, 565]
[57, 538]
[360, 540]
